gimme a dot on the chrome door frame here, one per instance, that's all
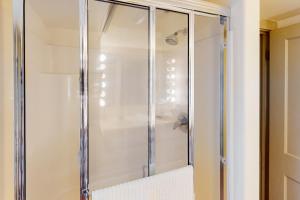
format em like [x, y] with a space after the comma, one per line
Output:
[19, 100]
[84, 101]
[190, 7]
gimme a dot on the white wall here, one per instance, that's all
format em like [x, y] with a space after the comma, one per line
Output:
[244, 96]
[6, 101]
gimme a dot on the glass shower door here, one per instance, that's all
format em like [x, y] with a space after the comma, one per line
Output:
[118, 93]
[172, 89]
[120, 96]
[52, 100]
[132, 101]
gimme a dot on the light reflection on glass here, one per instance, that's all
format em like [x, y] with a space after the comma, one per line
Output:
[103, 84]
[171, 61]
[171, 76]
[171, 69]
[102, 67]
[102, 102]
[102, 57]
[103, 94]
[170, 91]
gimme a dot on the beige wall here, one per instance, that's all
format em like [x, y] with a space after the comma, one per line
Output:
[6, 100]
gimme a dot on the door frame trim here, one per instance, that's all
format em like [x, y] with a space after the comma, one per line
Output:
[264, 113]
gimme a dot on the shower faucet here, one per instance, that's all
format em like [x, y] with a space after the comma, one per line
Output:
[182, 122]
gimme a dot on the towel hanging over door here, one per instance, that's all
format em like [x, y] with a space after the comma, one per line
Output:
[172, 185]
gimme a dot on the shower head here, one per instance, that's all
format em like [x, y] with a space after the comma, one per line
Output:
[172, 39]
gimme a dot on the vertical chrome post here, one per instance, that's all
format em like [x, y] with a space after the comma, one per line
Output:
[152, 96]
[19, 100]
[191, 88]
[222, 103]
[84, 128]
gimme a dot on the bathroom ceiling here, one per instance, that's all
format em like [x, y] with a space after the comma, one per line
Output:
[68, 10]
[220, 2]
[272, 9]
[279, 9]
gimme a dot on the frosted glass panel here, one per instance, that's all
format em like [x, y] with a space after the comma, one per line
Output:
[171, 129]
[52, 99]
[209, 34]
[118, 91]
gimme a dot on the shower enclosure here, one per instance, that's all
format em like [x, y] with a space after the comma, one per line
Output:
[107, 92]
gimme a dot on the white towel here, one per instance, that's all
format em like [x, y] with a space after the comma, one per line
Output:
[172, 185]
